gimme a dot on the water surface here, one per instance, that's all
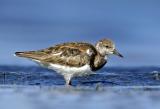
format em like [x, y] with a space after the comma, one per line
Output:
[114, 87]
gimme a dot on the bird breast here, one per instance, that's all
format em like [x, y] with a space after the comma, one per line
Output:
[98, 62]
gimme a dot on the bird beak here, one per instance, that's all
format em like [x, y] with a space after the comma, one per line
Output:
[115, 52]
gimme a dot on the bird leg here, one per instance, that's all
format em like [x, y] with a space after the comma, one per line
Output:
[68, 79]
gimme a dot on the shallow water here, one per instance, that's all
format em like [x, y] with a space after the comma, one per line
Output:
[112, 76]
[37, 88]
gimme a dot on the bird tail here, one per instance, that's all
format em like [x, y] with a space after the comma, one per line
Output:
[31, 54]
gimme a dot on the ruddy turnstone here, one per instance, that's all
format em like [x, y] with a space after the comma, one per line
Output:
[74, 58]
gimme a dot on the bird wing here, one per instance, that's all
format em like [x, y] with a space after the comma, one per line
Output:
[71, 54]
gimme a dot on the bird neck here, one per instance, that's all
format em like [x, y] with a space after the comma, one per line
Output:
[100, 49]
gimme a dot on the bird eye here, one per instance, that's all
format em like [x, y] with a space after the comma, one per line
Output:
[107, 46]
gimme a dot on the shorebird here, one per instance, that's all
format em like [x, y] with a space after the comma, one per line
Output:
[74, 58]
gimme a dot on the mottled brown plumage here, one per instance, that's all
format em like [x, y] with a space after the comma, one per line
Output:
[68, 54]
[73, 55]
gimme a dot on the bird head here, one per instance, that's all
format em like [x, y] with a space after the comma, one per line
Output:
[107, 47]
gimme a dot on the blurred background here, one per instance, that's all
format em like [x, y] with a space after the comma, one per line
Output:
[34, 24]
[134, 26]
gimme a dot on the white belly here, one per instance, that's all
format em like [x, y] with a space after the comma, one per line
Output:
[67, 71]
[74, 71]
